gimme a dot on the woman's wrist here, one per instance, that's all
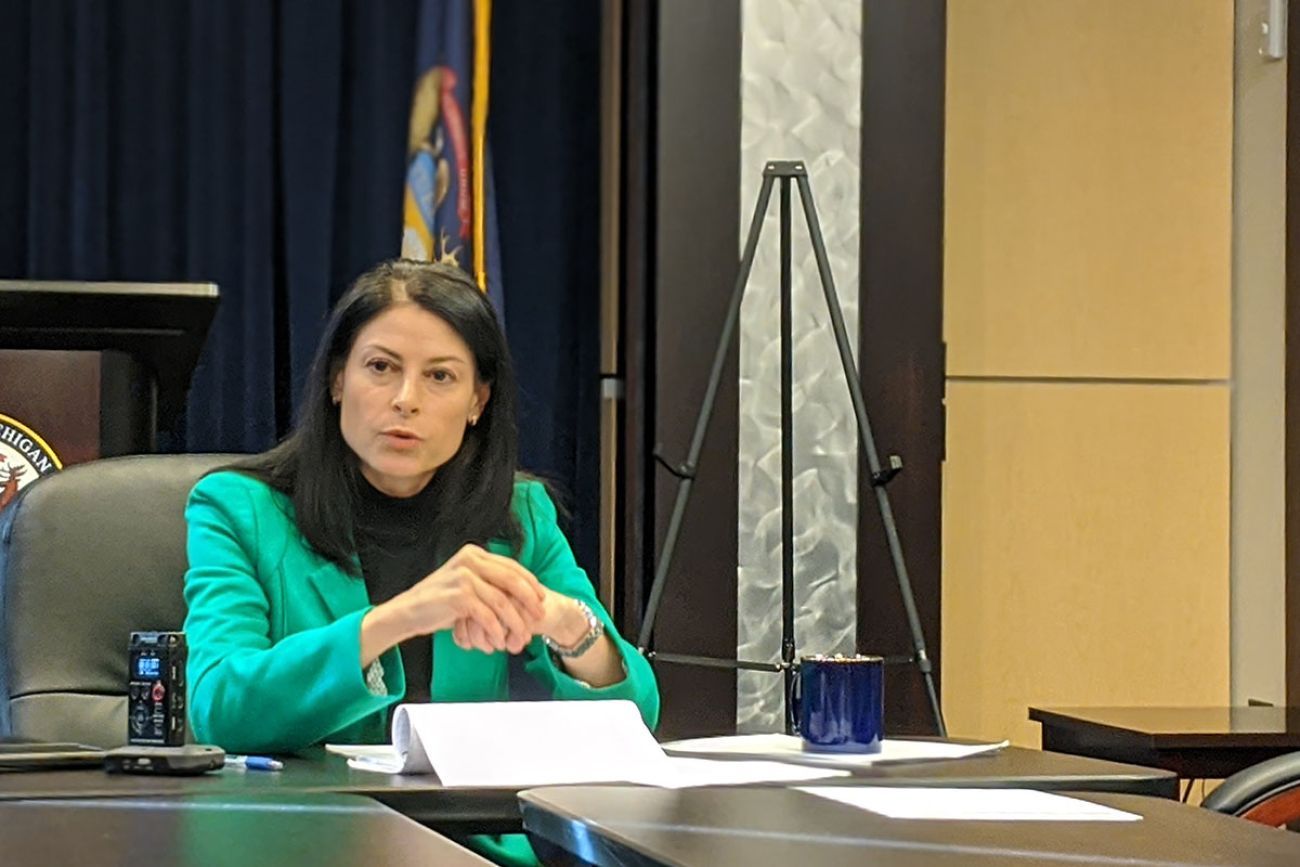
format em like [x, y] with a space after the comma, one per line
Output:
[572, 627]
[384, 626]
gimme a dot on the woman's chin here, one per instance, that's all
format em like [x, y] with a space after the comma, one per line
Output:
[398, 476]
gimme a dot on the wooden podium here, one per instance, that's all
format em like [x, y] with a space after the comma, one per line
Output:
[88, 370]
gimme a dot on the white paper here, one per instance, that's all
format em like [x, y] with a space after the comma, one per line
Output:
[351, 751]
[989, 805]
[387, 761]
[519, 744]
[788, 748]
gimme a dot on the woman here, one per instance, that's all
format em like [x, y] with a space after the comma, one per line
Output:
[386, 551]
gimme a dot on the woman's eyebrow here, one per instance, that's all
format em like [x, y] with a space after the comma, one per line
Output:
[381, 348]
[437, 359]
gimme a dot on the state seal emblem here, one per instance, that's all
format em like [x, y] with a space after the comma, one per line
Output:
[24, 457]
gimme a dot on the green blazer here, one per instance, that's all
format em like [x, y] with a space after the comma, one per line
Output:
[274, 629]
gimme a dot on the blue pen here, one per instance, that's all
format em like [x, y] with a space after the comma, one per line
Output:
[255, 763]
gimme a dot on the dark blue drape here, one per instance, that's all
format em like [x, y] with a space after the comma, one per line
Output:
[545, 134]
[257, 145]
[260, 144]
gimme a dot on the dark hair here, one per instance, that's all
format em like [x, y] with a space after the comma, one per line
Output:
[322, 475]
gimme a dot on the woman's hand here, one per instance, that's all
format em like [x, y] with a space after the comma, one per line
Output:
[565, 623]
[501, 599]
[561, 620]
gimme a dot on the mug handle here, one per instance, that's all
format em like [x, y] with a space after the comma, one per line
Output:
[794, 699]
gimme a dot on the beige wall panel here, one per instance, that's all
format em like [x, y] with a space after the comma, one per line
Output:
[1259, 368]
[1088, 195]
[1085, 550]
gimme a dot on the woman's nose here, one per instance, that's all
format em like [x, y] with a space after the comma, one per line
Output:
[407, 399]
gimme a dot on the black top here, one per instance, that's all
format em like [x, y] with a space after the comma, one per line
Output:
[396, 547]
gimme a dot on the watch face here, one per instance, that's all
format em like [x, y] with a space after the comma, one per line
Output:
[595, 628]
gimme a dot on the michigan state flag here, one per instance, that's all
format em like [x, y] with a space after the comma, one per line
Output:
[449, 214]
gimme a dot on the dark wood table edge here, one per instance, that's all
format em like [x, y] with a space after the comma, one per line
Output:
[459, 811]
[602, 845]
[327, 800]
[1061, 719]
[575, 835]
[1143, 778]
[1057, 721]
[1160, 784]
[450, 811]
[1191, 756]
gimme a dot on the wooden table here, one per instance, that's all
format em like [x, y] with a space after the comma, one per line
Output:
[758, 827]
[496, 811]
[1021, 768]
[248, 831]
[422, 798]
[1193, 742]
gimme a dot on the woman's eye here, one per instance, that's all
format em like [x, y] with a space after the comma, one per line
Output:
[440, 375]
[380, 365]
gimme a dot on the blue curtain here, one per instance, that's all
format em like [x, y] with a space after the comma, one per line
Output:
[260, 144]
[545, 134]
[256, 145]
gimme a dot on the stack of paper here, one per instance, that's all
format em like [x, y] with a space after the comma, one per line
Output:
[518, 744]
[788, 748]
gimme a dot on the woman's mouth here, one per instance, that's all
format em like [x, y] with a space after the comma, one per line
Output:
[400, 438]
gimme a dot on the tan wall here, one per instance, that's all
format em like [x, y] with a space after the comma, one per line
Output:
[1089, 181]
[1088, 319]
[1085, 550]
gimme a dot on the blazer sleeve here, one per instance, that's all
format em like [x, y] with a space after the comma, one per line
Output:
[248, 694]
[547, 554]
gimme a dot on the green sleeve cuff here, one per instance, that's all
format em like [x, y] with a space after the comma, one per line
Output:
[638, 684]
[329, 690]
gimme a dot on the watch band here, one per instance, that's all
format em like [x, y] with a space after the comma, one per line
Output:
[375, 679]
[595, 629]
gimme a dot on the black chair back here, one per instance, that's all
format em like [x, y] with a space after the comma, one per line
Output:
[1268, 792]
[87, 556]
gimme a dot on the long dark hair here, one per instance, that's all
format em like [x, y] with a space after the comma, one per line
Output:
[322, 475]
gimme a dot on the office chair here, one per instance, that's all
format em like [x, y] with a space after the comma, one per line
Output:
[87, 556]
[1268, 793]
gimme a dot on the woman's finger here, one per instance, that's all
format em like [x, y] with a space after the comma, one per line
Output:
[518, 640]
[509, 577]
[472, 606]
[504, 607]
[480, 639]
[506, 564]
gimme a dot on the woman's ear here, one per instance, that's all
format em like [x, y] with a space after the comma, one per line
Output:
[482, 393]
[336, 388]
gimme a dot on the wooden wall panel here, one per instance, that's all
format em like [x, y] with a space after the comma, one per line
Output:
[1085, 548]
[694, 270]
[900, 351]
[57, 395]
[1088, 195]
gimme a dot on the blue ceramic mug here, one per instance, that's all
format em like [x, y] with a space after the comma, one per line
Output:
[839, 703]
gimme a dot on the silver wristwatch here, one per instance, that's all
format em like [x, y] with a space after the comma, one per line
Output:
[595, 629]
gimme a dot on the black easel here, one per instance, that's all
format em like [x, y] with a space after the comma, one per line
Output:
[786, 171]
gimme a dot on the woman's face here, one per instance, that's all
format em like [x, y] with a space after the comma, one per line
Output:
[405, 394]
